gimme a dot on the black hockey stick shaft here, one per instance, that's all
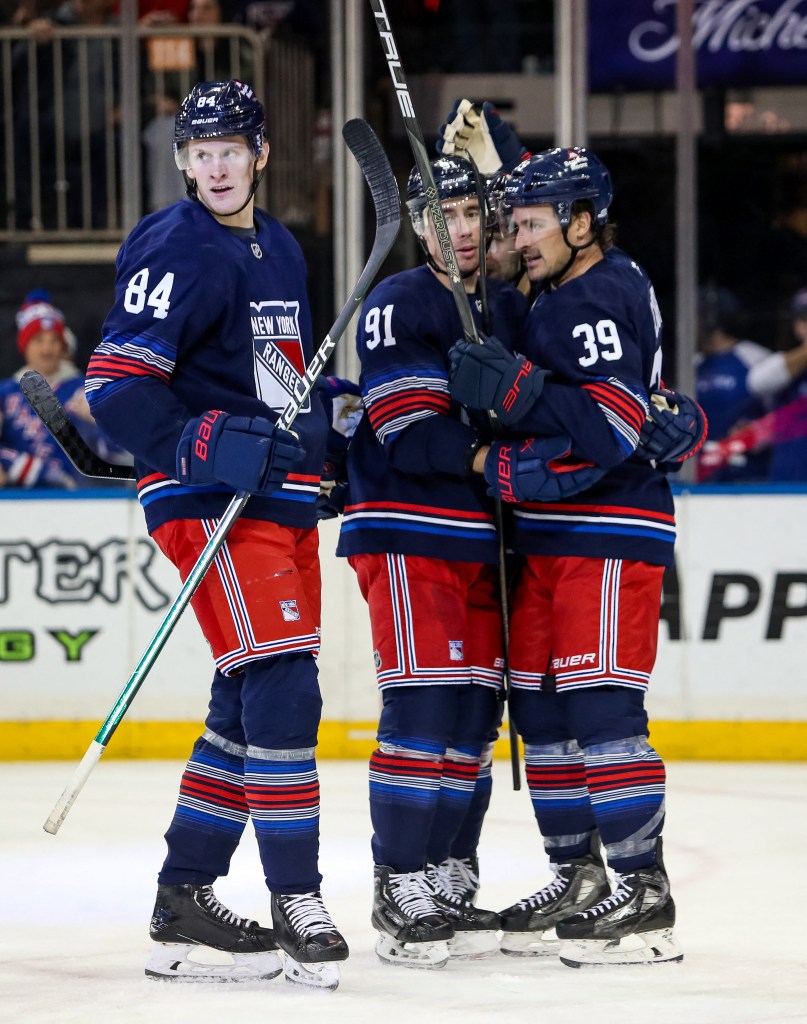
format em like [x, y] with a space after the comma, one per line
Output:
[415, 136]
[53, 414]
[377, 172]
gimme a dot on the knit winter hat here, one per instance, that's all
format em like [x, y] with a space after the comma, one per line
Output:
[37, 315]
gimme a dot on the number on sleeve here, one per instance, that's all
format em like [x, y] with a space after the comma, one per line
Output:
[373, 327]
[134, 300]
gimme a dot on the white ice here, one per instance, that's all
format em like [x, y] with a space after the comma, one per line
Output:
[75, 907]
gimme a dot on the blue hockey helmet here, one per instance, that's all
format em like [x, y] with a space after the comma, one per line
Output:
[455, 180]
[558, 177]
[213, 110]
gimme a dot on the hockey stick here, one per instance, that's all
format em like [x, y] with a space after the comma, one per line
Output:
[377, 172]
[53, 414]
[415, 136]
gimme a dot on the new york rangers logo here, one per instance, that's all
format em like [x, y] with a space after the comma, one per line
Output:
[290, 611]
[455, 650]
[279, 358]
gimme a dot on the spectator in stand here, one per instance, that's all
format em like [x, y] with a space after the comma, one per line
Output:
[789, 453]
[29, 456]
[733, 379]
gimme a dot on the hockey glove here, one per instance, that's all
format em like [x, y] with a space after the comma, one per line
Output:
[489, 377]
[675, 430]
[478, 131]
[245, 454]
[539, 469]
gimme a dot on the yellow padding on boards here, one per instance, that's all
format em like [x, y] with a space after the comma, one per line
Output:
[675, 741]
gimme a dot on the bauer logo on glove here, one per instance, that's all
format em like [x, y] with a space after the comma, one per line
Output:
[245, 454]
[538, 469]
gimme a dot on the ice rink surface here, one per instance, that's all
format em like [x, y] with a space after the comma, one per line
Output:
[76, 906]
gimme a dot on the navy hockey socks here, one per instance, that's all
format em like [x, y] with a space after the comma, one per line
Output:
[457, 786]
[209, 818]
[404, 788]
[556, 778]
[282, 790]
[626, 780]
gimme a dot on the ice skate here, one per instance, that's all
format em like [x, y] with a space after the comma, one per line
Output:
[476, 932]
[307, 935]
[631, 926]
[413, 931]
[197, 939]
[528, 927]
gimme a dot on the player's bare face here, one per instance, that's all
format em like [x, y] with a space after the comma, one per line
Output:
[463, 222]
[222, 170]
[44, 353]
[539, 239]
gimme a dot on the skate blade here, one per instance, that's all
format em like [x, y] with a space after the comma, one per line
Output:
[532, 944]
[657, 947]
[188, 962]
[322, 975]
[473, 945]
[423, 955]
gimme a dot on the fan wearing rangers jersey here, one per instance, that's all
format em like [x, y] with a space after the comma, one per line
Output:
[585, 610]
[209, 333]
[418, 529]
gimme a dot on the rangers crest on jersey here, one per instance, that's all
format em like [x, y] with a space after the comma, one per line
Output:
[279, 360]
[290, 611]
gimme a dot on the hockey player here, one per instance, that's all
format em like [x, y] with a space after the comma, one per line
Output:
[584, 620]
[209, 333]
[418, 530]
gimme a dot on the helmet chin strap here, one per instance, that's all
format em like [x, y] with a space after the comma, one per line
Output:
[555, 279]
[192, 190]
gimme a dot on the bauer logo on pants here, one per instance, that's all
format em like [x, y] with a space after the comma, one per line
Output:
[291, 613]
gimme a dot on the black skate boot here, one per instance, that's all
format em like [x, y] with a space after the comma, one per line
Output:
[413, 930]
[631, 926]
[188, 918]
[305, 932]
[527, 926]
[475, 931]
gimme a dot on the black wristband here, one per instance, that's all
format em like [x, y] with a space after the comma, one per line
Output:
[471, 454]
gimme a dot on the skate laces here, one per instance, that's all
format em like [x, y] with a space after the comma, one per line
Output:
[413, 893]
[549, 892]
[439, 875]
[307, 913]
[462, 877]
[621, 894]
[218, 910]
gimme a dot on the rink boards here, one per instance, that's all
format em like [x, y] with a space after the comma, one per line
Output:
[83, 590]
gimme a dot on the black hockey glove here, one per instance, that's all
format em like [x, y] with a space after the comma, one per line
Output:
[489, 377]
[245, 454]
[675, 430]
[539, 469]
[479, 132]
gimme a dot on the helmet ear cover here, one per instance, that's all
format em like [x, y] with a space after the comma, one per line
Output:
[214, 110]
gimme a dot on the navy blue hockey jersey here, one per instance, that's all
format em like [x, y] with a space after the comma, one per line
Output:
[410, 490]
[600, 335]
[205, 318]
